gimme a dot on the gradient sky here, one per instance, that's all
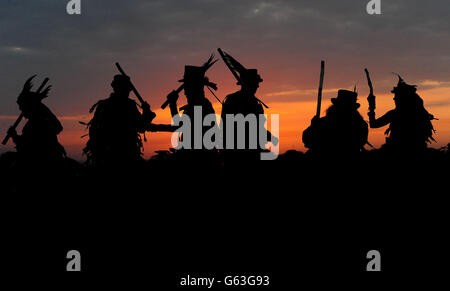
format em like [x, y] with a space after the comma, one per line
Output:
[284, 40]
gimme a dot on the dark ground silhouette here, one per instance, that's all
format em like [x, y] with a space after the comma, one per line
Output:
[283, 217]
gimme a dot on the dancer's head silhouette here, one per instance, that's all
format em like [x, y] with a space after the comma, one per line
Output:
[121, 86]
[194, 80]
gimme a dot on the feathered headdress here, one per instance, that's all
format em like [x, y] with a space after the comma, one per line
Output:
[28, 96]
[209, 63]
[196, 74]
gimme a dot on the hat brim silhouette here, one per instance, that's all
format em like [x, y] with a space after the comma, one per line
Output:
[338, 102]
[197, 73]
[346, 98]
[249, 76]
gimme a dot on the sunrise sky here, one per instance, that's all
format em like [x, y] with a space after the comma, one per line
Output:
[284, 40]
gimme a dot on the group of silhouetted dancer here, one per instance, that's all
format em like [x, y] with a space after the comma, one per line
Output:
[118, 127]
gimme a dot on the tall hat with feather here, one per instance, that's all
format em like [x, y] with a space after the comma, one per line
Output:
[402, 87]
[27, 96]
[196, 75]
[246, 76]
[346, 98]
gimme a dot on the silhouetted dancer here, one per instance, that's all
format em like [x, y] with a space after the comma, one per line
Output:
[410, 127]
[342, 132]
[116, 128]
[245, 103]
[38, 144]
[194, 82]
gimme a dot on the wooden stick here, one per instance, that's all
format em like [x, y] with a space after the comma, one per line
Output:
[135, 91]
[319, 96]
[369, 81]
[167, 101]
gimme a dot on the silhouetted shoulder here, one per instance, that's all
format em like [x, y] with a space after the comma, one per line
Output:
[239, 102]
[98, 107]
[233, 97]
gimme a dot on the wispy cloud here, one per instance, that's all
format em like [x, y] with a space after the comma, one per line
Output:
[16, 50]
[8, 117]
[300, 92]
[441, 103]
[434, 83]
[83, 117]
